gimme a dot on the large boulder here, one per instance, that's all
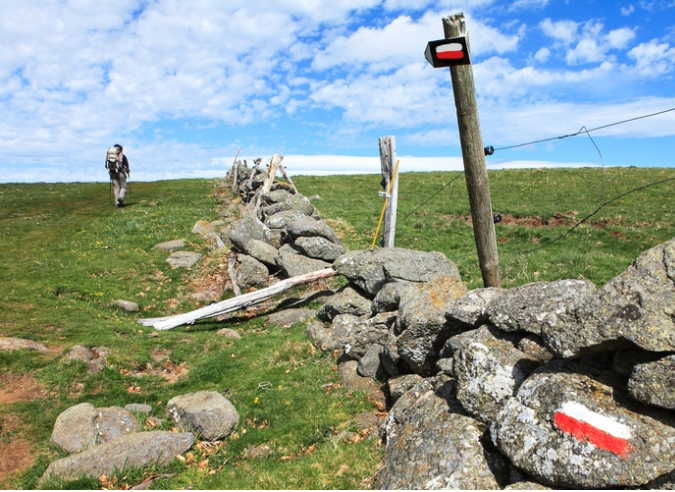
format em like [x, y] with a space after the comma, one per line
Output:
[432, 444]
[525, 308]
[9, 344]
[572, 426]
[636, 307]
[372, 268]
[263, 252]
[206, 412]
[468, 310]
[246, 229]
[83, 426]
[130, 451]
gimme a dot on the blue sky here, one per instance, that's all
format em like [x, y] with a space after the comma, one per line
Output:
[182, 85]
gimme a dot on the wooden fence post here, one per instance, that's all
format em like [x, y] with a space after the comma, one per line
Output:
[473, 154]
[389, 181]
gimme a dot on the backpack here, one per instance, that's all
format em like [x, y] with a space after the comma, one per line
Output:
[112, 160]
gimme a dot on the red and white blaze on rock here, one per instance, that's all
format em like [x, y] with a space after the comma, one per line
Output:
[586, 425]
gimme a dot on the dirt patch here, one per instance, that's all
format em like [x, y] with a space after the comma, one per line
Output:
[168, 370]
[557, 220]
[15, 453]
[19, 387]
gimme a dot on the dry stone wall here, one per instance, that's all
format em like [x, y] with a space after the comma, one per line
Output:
[552, 384]
[556, 384]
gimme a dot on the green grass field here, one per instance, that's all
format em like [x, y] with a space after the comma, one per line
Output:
[66, 254]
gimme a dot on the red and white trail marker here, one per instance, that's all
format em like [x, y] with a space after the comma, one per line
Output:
[586, 425]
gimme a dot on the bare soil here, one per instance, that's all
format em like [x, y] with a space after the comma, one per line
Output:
[15, 451]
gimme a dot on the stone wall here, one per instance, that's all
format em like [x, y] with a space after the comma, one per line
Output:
[551, 384]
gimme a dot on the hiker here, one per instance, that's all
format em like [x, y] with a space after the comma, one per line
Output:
[117, 165]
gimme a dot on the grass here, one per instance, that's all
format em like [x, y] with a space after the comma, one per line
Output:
[67, 254]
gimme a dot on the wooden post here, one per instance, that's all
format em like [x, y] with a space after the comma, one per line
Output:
[234, 170]
[288, 179]
[269, 179]
[389, 181]
[474, 158]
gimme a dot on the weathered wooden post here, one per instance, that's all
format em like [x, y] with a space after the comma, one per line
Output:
[389, 182]
[453, 52]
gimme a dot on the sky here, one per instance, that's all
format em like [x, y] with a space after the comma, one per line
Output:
[183, 85]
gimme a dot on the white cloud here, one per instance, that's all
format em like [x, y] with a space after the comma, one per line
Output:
[653, 59]
[564, 31]
[626, 11]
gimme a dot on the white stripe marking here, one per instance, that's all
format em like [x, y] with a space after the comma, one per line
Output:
[605, 424]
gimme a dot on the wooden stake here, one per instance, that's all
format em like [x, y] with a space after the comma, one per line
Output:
[474, 159]
[288, 179]
[231, 272]
[390, 185]
[236, 303]
[234, 171]
[271, 174]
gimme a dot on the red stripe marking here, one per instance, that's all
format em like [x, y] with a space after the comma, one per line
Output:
[597, 437]
[450, 55]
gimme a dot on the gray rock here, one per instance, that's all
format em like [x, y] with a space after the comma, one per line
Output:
[468, 309]
[345, 301]
[446, 365]
[229, 333]
[430, 444]
[113, 423]
[183, 259]
[133, 450]
[263, 252]
[319, 247]
[570, 426]
[309, 227]
[293, 264]
[242, 231]
[82, 426]
[371, 269]
[293, 203]
[251, 272]
[526, 486]
[357, 335]
[423, 324]
[206, 412]
[400, 385]
[141, 408]
[128, 306]
[654, 383]
[170, 245]
[80, 353]
[318, 334]
[535, 347]
[281, 220]
[203, 228]
[636, 306]
[75, 428]
[9, 344]
[526, 307]
[289, 317]
[489, 370]
[370, 365]
[391, 295]
[277, 196]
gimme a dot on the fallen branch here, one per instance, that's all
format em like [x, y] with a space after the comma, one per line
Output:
[234, 304]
